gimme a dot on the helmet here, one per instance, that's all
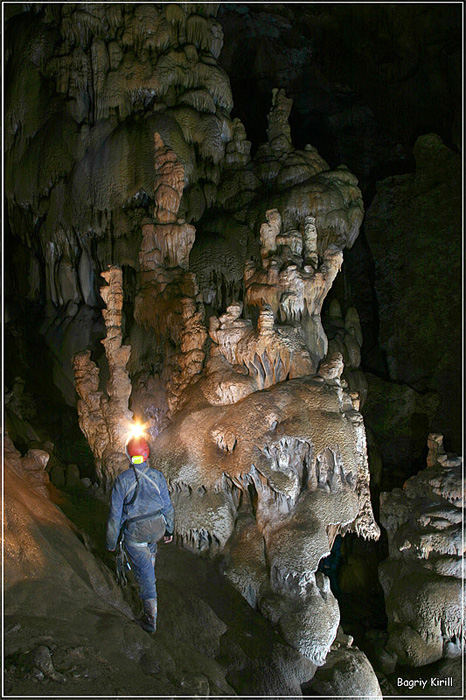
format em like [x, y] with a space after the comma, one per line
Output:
[137, 450]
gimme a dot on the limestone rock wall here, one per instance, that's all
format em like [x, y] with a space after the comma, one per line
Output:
[418, 285]
[422, 577]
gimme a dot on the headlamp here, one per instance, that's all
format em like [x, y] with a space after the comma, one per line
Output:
[136, 430]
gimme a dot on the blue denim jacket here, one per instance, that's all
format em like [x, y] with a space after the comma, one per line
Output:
[152, 495]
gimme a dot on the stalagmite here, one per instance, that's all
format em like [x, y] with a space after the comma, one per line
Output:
[294, 289]
[310, 241]
[105, 419]
[278, 131]
[118, 385]
[238, 410]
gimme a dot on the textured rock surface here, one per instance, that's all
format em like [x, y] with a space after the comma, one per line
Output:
[347, 673]
[305, 479]
[88, 89]
[104, 417]
[70, 631]
[225, 360]
[422, 576]
[416, 218]
[31, 468]
[345, 337]
[270, 473]
[167, 299]
[291, 281]
[314, 213]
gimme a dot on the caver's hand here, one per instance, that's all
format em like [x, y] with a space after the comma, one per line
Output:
[167, 539]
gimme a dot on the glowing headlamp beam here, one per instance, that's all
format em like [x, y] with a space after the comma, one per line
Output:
[136, 430]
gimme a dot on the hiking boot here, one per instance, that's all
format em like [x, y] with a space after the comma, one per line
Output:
[149, 621]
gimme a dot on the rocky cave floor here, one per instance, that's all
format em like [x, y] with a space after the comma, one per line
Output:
[209, 641]
[73, 632]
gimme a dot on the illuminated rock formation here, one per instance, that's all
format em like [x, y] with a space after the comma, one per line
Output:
[90, 86]
[345, 337]
[238, 150]
[166, 244]
[260, 356]
[121, 155]
[423, 574]
[31, 467]
[62, 581]
[249, 450]
[306, 214]
[347, 673]
[186, 365]
[291, 282]
[104, 418]
[275, 460]
[167, 299]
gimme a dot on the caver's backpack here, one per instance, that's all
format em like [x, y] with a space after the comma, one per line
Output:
[149, 527]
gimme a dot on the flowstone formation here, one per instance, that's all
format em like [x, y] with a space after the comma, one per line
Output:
[291, 280]
[261, 441]
[318, 206]
[167, 300]
[88, 86]
[422, 578]
[265, 450]
[270, 480]
[249, 416]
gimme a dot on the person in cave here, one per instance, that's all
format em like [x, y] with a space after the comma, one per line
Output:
[141, 510]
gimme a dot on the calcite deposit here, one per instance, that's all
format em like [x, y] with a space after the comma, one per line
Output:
[89, 86]
[346, 674]
[213, 335]
[167, 299]
[422, 577]
[263, 442]
[104, 416]
[291, 281]
[279, 474]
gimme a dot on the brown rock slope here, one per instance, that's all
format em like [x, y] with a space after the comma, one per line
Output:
[70, 631]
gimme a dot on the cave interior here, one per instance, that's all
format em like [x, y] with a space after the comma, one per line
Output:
[239, 224]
